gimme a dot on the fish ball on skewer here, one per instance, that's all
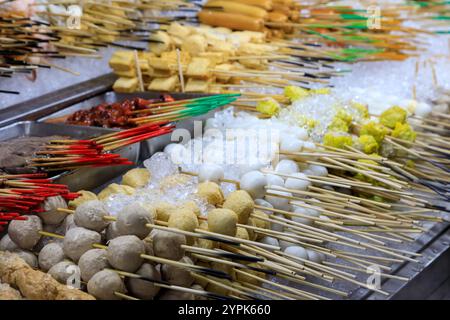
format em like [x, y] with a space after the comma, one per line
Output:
[91, 262]
[136, 178]
[133, 218]
[104, 284]
[90, 215]
[223, 221]
[25, 233]
[51, 215]
[211, 192]
[183, 219]
[50, 255]
[317, 170]
[286, 166]
[168, 244]
[280, 203]
[270, 241]
[176, 275]
[315, 256]
[144, 289]
[254, 183]
[274, 180]
[299, 181]
[63, 270]
[6, 244]
[125, 252]
[297, 251]
[241, 203]
[79, 240]
[84, 196]
[29, 257]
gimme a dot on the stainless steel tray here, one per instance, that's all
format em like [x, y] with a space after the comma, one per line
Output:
[86, 178]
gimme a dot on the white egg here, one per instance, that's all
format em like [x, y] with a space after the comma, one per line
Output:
[254, 183]
[210, 172]
[270, 241]
[297, 251]
[286, 167]
[315, 256]
[285, 243]
[279, 202]
[320, 171]
[297, 182]
[292, 145]
[274, 180]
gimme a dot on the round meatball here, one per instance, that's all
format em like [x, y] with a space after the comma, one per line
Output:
[176, 275]
[50, 255]
[163, 210]
[112, 231]
[6, 244]
[91, 215]
[29, 257]
[132, 220]
[104, 284]
[136, 178]
[84, 196]
[168, 245]
[91, 262]
[211, 192]
[51, 215]
[241, 203]
[144, 289]
[79, 240]
[124, 253]
[223, 221]
[25, 233]
[254, 182]
[62, 271]
[183, 219]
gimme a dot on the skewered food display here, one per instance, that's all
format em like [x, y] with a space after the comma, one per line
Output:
[308, 181]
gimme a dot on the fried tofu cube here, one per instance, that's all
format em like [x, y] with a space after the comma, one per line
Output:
[223, 77]
[195, 85]
[126, 74]
[164, 84]
[126, 85]
[199, 68]
[122, 61]
[215, 57]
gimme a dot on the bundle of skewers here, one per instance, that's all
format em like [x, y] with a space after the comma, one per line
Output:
[71, 154]
[22, 194]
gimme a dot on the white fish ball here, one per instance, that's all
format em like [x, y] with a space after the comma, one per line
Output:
[291, 145]
[210, 172]
[286, 243]
[274, 180]
[286, 167]
[270, 241]
[317, 170]
[297, 182]
[264, 203]
[297, 251]
[315, 256]
[279, 202]
[254, 183]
